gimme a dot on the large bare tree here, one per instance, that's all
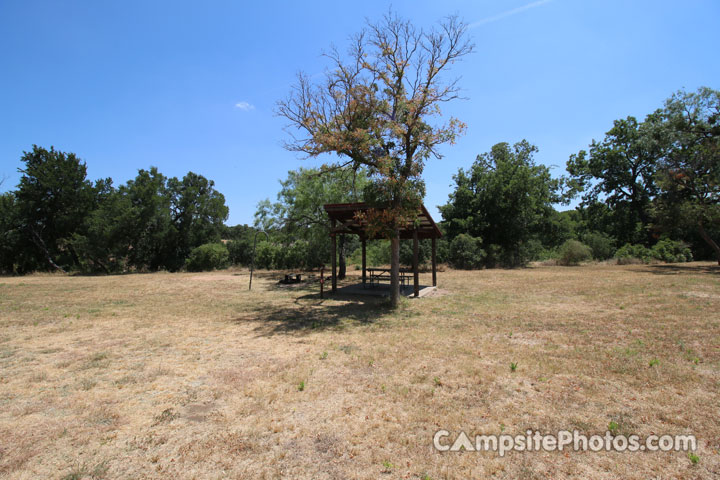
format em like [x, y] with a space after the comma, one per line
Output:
[375, 108]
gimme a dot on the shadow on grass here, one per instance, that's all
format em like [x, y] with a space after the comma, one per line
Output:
[310, 283]
[310, 313]
[679, 268]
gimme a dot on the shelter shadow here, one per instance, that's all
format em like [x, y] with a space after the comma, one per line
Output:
[309, 313]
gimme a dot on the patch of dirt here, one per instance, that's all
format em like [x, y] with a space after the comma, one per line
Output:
[438, 292]
[198, 412]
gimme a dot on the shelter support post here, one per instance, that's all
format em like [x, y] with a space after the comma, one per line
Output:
[334, 262]
[364, 262]
[416, 274]
[434, 262]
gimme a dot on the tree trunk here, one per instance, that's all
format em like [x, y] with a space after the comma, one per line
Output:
[395, 269]
[709, 240]
[75, 257]
[41, 245]
[341, 260]
[102, 265]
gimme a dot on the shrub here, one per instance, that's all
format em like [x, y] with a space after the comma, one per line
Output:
[632, 254]
[546, 254]
[208, 257]
[377, 253]
[494, 255]
[531, 250]
[266, 255]
[466, 252]
[443, 250]
[666, 250]
[517, 255]
[406, 252]
[572, 252]
[602, 245]
[292, 256]
[240, 251]
[671, 251]
[272, 256]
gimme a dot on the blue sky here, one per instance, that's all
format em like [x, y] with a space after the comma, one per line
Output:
[192, 85]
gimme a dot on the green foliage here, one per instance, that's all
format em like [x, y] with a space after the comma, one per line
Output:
[629, 253]
[689, 177]
[210, 256]
[143, 222]
[658, 176]
[573, 252]
[16, 254]
[533, 249]
[58, 219]
[240, 251]
[299, 215]
[443, 249]
[466, 252]
[601, 244]
[613, 427]
[546, 254]
[513, 366]
[153, 222]
[665, 250]
[267, 255]
[377, 253]
[406, 252]
[197, 215]
[270, 255]
[506, 199]
[620, 172]
[671, 251]
[52, 200]
[558, 227]
[240, 239]
[294, 255]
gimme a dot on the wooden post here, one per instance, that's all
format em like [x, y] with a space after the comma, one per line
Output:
[416, 274]
[364, 262]
[322, 281]
[334, 256]
[334, 262]
[434, 262]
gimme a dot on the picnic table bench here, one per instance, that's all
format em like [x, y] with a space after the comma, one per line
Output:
[378, 275]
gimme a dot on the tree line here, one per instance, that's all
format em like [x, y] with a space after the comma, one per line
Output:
[648, 189]
[57, 219]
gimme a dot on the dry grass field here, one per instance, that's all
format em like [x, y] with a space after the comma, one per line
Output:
[190, 376]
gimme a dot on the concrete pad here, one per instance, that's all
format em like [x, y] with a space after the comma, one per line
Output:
[382, 290]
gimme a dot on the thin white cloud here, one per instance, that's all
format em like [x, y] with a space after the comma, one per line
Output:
[245, 106]
[508, 13]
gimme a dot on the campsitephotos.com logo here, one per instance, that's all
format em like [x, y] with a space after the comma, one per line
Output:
[535, 441]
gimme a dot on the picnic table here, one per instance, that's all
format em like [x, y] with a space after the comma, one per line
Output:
[378, 275]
